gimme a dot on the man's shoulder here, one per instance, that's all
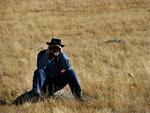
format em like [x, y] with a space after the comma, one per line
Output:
[42, 52]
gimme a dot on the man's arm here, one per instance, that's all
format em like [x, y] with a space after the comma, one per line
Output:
[42, 59]
[65, 63]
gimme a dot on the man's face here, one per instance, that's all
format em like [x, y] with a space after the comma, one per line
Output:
[54, 50]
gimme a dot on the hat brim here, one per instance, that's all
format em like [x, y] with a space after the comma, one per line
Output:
[48, 43]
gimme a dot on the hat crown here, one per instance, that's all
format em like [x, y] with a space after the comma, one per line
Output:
[55, 41]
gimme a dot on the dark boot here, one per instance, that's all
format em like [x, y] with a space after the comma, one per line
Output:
[30, 96]
[78, 96]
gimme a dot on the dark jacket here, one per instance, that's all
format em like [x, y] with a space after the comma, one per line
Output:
[52, 66]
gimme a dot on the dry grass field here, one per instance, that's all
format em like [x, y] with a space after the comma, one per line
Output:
[107, 41]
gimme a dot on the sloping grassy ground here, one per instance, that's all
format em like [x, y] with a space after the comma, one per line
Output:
[116, 75]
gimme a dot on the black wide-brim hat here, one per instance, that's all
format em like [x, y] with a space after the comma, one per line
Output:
[55, 41]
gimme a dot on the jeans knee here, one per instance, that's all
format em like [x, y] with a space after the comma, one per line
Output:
[39, 71]
[70, 71]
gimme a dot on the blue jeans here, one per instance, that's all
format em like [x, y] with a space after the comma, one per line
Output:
[42, 83]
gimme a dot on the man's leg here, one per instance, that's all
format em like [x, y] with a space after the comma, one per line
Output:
[73, 82]
[33, 95]
[38, 80]
[68, 77]
[29, 96]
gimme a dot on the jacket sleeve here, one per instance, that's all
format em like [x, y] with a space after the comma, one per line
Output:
[65, 63]
[42, 59]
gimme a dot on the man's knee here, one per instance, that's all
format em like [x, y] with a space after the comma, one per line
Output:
[70, 71]
[39, 71]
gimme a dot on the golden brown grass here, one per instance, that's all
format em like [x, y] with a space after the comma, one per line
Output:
[115, 75]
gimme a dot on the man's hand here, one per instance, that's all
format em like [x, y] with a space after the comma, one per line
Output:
[62, 71]
[59, 48]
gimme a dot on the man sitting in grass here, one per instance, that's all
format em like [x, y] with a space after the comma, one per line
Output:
[53, 73]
